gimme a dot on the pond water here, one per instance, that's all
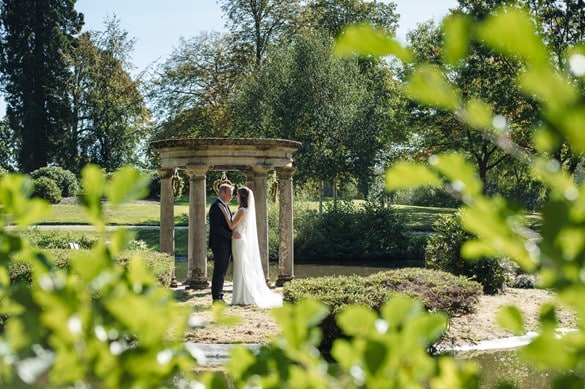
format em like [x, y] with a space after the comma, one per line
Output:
[505, 366]
[300, 270]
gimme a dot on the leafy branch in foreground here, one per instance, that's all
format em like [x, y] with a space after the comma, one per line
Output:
[555, 253]
[95, 325]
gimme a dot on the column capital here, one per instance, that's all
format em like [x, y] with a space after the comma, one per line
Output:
[197, 170]
[285, 171]
[165, 172]
[261, 169]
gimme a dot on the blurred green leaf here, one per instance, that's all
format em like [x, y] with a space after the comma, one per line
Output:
[407, 174]
[463, 176]
[127, 184]
[456, 28]
[399, 309]
[365, 40]
[510, 318]
[355, 320]
[429, 86]
[512, 32]
[478, 114]
[92, 185]
[15, 191]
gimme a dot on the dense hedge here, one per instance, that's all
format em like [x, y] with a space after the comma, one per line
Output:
[47, 189]
[443, 252]
[350, 233]
[161, 264]
[66, 181]
[438, 291]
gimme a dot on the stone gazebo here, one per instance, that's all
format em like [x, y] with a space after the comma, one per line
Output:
[255, 158]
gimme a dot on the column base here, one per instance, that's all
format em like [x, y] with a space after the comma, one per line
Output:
[196, 283]
[281, 280]
[174, 283]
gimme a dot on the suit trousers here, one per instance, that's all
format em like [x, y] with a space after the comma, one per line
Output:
[221, 260]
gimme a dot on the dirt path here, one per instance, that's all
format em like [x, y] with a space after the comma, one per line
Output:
[258, 326]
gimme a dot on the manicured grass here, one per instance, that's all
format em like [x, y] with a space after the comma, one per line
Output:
[140, 214]
[148, 214]
[422, 218]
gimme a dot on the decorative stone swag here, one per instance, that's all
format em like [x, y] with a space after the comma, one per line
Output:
[256, 158]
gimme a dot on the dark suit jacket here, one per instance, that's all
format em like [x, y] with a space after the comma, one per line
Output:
[219, 231]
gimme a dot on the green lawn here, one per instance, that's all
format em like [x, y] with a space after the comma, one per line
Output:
[148, 214]
[139, 214]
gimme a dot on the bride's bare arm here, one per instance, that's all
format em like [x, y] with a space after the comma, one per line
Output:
[232, 223]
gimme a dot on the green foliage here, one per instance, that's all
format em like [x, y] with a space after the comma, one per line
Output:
[349, 233]
[443, 252]
[35, 41]
[88, 323]
[159, 264]
[110, 112]
[47, 189]
[438, 291]
[66, 180]
[555, 253]
[59, 239]
[425, 197]
[385, 350]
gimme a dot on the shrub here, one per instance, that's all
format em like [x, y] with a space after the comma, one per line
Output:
[346, 232]
[59, 239]
[443, 252]
[425, 196]
[46, 188]
[66, 180]
[161, 264]
[154, 186]
[438, 291]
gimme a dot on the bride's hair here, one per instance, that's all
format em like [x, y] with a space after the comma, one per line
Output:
[244, 194]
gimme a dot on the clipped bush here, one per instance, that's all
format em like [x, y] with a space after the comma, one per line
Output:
[66, 180]
[443, 252]
[438, 291]
[47, 189]
[351, 233]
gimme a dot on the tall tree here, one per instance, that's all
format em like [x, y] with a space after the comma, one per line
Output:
[304, 93]
[110, 111]
[254, 24]
[562, 24]
[483, 75]
[35, 36]
[191, 90]
[7, 159]
[331, 16]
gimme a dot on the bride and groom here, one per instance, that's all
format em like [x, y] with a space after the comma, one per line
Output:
[236, 236]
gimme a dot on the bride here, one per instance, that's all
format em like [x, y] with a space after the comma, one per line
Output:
[248, 277]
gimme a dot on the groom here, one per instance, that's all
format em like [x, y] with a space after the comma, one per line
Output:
[220, 240]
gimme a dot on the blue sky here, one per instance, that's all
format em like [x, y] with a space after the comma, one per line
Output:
[157, 25]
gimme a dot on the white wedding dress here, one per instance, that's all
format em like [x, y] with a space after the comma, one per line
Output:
[249, 282]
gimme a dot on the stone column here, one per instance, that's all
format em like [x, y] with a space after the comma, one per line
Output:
[260, 194]
[197, 245]
[285, 226]
[167, 216]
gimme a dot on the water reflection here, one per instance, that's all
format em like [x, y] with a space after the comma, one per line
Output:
[505, 366]
[300, 270]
